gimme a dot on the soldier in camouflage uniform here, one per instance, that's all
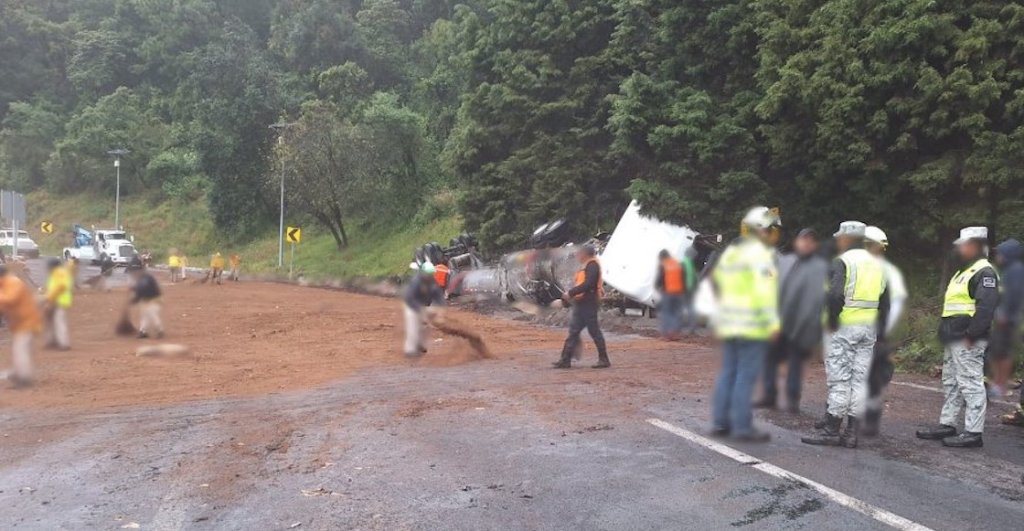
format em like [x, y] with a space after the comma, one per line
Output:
[967, 311]
[857, 302]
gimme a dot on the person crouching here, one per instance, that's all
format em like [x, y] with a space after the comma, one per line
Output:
[422, 292]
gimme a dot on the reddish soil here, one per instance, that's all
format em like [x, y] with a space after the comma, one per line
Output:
[245, 339]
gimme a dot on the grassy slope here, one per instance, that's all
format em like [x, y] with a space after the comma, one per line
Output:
[373, 251]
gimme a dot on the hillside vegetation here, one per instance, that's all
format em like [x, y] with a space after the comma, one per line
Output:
[374, 250]
[908, 114]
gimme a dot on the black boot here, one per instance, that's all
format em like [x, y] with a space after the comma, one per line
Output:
[822, 422]
[966, 439]
[602, 360]
[565, 362]
[936, 433]
[562, 364]
[849, 437]
[766, 403]
[872, 421]
[828, 434]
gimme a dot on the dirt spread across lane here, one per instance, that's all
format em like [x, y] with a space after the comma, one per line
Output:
[297, 406]
[245, 339]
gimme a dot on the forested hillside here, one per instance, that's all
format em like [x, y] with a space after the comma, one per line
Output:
[905, 113]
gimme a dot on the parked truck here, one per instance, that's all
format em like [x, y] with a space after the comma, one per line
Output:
[93, 246]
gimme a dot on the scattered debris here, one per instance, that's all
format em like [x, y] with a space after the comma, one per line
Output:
[163, 350]
[319, 491]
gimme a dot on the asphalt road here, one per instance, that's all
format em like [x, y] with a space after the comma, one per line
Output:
[505, 444]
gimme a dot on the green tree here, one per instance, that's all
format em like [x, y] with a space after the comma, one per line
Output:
[27, 138]
[119, 120]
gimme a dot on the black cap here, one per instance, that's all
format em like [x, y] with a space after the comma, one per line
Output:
[808, 232]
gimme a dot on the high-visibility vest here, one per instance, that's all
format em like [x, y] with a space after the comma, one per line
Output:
[748, 285]
[864, 285]
[958, 300]
[674, 276]
[581, 277]
[173, 261]
[59, 281]
[441, 275]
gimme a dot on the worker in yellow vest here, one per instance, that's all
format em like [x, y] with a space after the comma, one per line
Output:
[59, 286]
[967, 312]
[585, 298]
[174, 264]
[216, 268]
[857, 303]
[747, 322]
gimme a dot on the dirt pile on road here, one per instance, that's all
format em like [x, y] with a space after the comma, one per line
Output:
[246, 339]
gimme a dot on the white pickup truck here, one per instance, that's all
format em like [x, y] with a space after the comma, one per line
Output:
[93, 247]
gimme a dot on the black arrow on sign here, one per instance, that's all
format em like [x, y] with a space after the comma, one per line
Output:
[292, 234]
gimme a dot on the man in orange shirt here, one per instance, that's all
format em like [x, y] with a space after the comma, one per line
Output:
[18, 306]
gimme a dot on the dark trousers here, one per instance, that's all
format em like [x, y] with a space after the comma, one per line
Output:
[584, 315]
[879, 376]
[784, 351]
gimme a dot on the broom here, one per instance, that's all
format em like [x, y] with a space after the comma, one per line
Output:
[446, 325]
[124, 325]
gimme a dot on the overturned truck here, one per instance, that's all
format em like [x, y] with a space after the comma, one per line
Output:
[541, 275]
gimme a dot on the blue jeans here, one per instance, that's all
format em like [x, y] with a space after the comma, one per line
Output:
[742, 361]
[670, 314]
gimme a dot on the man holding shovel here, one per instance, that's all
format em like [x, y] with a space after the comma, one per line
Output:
[145, 294]
[421, 293]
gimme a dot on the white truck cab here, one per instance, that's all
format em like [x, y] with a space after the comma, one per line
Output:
[94, 246]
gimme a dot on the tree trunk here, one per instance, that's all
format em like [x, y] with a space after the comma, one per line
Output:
[338, 237]
[341, 225]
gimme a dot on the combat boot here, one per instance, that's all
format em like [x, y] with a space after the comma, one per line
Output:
[822, 422]
[849, 436]
[872, 421]
[602, 360]
[828, 434]
[937, 433]
[966, 439]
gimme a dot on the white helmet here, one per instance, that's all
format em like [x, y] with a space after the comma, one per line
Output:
[761, 218]
[877, 235]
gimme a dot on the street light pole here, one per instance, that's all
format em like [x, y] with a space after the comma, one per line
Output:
[279, 128]
[118, 153]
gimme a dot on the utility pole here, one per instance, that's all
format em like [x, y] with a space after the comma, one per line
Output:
[279, 128]
[118, 153]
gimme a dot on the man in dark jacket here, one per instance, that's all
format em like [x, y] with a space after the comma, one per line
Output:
[967, 312]
[585, 298]
[802, 277]
[1008, 314]
[146, 295]
[422, 292]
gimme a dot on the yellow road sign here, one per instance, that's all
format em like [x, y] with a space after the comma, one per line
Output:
[293, 235]
[46, 227]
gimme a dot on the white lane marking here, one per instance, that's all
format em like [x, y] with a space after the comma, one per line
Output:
[939, 390]
[892, 520]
